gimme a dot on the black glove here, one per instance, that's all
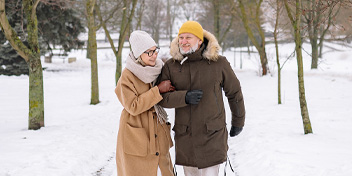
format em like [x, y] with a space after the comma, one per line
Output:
[235, 131]
[193, 96]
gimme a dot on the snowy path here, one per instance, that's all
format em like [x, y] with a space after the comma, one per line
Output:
[109, 169]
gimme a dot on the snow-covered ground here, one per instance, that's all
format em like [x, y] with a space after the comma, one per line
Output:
[79, 139]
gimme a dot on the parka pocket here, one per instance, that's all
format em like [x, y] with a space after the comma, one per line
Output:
[135, 141]
[180, 129]
[215, 125]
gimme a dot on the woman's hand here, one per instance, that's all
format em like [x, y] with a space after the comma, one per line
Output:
[166, 86]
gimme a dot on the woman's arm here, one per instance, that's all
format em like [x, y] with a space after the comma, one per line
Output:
[133, 102]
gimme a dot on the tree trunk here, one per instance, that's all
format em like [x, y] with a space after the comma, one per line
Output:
[298, 41]
[36, 95]
[314, 34]
[324, 30]
[263, 60]
[259, 47]
[90, 4]
[314, 23]
[140, 13]
[302, 96]
[320, 52]
[277, 53]
[314, 44]
[123, 32]
[107, 33]
[36, 92]
[169, 21]
[216, 9]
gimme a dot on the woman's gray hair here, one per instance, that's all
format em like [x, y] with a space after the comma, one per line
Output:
[140, 61]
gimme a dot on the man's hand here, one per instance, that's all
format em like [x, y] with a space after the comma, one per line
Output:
[193, 96]
[235, 131]
[166, 86]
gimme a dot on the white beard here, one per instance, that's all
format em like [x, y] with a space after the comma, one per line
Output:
[191, 50]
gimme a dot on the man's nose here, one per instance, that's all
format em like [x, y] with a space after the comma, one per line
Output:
[183, 41]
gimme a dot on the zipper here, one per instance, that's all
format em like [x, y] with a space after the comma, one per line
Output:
[190, 106]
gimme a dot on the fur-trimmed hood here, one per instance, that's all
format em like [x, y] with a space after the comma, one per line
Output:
[211, 51]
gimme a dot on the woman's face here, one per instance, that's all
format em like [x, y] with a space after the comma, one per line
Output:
[149, 56]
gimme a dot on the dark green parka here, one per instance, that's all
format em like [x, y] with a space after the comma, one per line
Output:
[200, 130]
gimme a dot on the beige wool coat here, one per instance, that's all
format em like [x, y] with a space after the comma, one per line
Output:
[142, 143]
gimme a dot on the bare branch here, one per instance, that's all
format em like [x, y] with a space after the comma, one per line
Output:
[11, 35]
[34, 9]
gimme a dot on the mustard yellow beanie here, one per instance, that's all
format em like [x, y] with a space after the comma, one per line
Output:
[192, 27]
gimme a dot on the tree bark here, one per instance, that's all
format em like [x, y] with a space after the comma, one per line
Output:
[296, 22]
[314, 45]
[92, 49]
[36, 93]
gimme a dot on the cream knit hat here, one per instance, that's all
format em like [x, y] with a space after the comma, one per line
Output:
[140, 41]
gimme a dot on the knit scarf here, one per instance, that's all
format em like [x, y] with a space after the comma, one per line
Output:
[148, 75]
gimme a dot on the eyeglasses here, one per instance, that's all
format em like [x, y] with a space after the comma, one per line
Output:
[151, 52]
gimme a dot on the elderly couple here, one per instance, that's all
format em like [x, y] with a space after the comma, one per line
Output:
[192, 83]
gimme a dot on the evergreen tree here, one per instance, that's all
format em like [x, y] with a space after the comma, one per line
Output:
[11, 63]
[57, 27]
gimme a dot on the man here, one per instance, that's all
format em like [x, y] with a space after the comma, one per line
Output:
[199, 75]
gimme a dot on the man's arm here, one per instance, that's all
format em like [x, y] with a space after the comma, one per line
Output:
[233, 92]
[175, 99]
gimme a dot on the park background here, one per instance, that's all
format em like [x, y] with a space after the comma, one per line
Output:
[79, 135]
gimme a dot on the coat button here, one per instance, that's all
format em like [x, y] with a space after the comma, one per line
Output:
[156, 135]
[157, 153]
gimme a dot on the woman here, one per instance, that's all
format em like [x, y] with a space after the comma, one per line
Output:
[144, 139]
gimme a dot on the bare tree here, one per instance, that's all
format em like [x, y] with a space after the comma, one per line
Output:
[123, 31]
[154, 20]
[191, 9]
[127, 16]
[279, 7]
[318, 16]
[259, 45]
[296, 24]
[343, 24]
[140, 8]
[92, 49]
[324, 29]
[31, 54]
[172, 9]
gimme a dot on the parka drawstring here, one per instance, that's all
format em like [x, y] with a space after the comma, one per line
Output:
[228, 159]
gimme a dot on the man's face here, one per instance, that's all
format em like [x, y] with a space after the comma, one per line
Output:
[188, 43]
